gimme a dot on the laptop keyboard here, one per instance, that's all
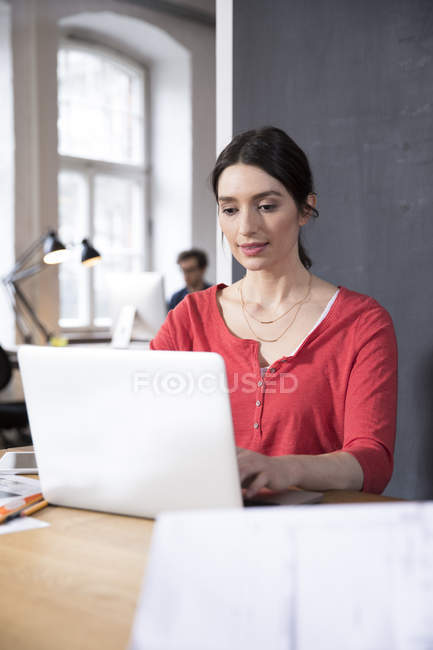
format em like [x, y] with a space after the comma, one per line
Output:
[248, 503]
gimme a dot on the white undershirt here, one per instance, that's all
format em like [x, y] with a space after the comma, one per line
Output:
[322, 316]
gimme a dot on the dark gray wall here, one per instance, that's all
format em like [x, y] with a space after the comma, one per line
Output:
[352, 84]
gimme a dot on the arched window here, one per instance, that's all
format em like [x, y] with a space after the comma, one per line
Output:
[103, 170]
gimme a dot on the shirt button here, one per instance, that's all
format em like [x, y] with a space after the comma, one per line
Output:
[256, 426]
[260, 383]
[258, 403]
[271, 369]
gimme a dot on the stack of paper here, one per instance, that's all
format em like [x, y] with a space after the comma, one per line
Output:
[15, 492]
[346, 577]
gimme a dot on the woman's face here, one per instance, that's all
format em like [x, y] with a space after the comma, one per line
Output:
[258, 217]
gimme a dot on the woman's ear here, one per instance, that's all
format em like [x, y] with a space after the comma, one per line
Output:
[310, 202]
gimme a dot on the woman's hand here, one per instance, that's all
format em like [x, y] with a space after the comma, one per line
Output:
[258, 471]
[336, 470]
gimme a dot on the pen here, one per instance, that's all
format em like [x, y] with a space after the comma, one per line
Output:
[17, 511]
[34, 508]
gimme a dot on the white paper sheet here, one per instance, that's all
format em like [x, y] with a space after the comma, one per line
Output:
[14, 486]
[22, 523]
[346, 577]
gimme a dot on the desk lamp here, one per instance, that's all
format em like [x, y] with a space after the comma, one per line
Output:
[54, 252]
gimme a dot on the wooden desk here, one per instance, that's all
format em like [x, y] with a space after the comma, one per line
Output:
[74, 585]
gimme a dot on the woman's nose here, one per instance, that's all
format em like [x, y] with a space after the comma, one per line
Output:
[248, 221]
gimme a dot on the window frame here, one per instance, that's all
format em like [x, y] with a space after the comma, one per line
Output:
[90, 167]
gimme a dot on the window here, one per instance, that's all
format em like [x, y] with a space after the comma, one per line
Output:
[102, 178]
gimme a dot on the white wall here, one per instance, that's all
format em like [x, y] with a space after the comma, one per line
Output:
[181, 203]
[6, 174]
[172, 189]
[224, 116]
[13, 390]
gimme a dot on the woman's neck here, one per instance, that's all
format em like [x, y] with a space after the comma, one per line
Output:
[270, 289]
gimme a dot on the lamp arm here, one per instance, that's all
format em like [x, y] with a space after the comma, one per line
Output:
[26, 255]
[19, 319]
[19, 294]
[25, 273]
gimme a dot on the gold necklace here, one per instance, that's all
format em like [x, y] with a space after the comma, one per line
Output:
[266, 322]
[278, 337]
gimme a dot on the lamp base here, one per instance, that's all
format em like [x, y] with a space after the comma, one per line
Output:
[58, 341]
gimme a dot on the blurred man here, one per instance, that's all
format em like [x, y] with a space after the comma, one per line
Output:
[193, 264]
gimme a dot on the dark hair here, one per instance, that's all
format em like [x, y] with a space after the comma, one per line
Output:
[200, 256]
[276, 153]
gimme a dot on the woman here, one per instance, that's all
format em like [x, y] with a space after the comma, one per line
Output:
[311, 366]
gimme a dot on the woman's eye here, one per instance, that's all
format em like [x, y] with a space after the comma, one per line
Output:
[267, 207]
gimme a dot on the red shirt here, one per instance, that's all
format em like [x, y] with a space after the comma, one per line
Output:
[338, 391]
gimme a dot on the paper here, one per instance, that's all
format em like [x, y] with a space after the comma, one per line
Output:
[346, 577]
[22, 523]
[16, 490]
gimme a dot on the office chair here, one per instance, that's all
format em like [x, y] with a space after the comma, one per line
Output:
[14, 423]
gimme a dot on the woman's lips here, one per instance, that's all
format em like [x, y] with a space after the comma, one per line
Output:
[253, 249]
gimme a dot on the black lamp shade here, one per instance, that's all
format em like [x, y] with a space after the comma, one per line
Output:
[89, 255]
[54, 251]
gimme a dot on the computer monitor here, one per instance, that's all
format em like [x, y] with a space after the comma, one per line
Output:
[143, 290]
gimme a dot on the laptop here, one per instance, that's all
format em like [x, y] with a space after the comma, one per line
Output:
[134, 432]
